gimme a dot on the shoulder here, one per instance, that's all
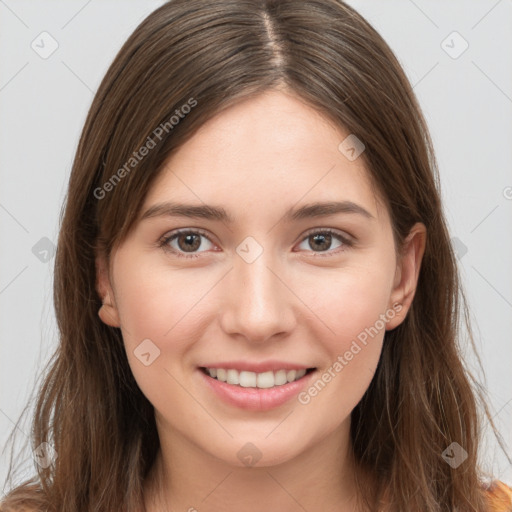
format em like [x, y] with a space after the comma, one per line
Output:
[499, 497]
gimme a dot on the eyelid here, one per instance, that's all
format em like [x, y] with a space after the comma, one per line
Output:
[342, 235]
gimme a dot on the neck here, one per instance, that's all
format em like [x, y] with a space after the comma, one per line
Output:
[321, 479]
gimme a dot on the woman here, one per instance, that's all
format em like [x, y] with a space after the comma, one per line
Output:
[256, 294]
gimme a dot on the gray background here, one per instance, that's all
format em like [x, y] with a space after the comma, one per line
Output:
[466, 98]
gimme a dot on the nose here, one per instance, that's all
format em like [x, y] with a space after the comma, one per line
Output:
[259, 305]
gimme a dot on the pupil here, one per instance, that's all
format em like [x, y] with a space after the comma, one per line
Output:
[189, 244]
[325, 238]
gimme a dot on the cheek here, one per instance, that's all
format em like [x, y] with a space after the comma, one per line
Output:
[353, 355]
[355, 310]
[154, 314]
[158, 303]
[351, 301]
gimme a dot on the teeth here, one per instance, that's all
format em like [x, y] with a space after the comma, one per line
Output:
[300, 374]
[265, 380]
[280, 378]
[232, 377]
[252, 380]
[247, 379]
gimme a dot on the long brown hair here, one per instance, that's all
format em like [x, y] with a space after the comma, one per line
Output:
[210, 55]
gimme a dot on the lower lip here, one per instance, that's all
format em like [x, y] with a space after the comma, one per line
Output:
[256, 399]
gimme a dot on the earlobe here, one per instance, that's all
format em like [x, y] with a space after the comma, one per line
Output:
[108, 311]
[407, 272]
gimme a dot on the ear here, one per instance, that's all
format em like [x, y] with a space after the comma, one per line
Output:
[108, 311]
[407, 272]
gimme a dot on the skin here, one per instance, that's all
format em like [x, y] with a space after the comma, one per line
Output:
[257, 159]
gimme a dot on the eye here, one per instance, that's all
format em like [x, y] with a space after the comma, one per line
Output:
[185, 243]
[323, 240]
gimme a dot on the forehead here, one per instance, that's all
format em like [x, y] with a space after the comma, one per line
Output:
[266, 151]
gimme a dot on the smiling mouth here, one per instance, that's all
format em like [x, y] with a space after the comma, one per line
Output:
[263, 380]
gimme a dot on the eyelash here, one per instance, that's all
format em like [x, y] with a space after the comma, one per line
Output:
[164, 242]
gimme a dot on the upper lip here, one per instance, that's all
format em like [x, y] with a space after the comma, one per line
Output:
[257, 367]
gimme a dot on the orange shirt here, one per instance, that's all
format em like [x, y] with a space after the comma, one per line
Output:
[500, 497]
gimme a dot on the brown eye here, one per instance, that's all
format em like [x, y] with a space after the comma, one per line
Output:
[186, 243]
[320, 241]
[323, 240]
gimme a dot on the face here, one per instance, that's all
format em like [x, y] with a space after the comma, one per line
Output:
[232, 273]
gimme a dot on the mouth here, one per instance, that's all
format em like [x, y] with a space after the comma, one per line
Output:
[255, 386]
[258, 380]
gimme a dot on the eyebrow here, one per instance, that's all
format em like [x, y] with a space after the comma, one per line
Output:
[313, 210]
